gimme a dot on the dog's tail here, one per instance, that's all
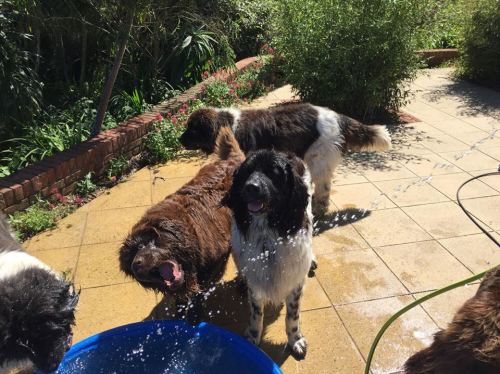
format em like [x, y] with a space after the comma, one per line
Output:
[227, 147]
[364, 138]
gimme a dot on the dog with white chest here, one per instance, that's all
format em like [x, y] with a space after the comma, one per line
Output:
[37, 309]
[272, 237]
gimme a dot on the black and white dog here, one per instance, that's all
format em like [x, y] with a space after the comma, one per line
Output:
[272, 237]
[318, 135]
[37, 309]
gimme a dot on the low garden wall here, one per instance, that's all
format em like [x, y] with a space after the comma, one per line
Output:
[59, 173]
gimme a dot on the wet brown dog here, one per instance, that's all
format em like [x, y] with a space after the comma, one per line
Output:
[181, 245]
[471, 343]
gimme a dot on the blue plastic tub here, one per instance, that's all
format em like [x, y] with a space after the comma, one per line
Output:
[155, 347]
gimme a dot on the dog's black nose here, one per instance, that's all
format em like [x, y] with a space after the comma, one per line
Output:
[137, 265]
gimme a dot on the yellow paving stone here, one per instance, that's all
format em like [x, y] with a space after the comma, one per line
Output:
[355, 276]
[442, 220]
[124, 195]
[423, 266]
[164, 187]
[389, 226]
[111, 225]
[431, 164]
[493, 180]
[361, 196]
[68, 233]
[407, 335]
[448, 185]
[178, 168]
[487, 209]
[103, 308]
[386, 171]
[342, 238]
[341, 178]
[477, 252]
[470, 161]
[414, 191]
[98, 265]
[492, 152]
[143, 174]
[62, 260]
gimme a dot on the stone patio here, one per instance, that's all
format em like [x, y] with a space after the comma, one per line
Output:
[414, 240]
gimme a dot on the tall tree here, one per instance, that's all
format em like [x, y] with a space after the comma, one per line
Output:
[123, 36]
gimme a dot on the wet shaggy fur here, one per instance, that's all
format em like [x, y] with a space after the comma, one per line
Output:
[272, 237]
[188, 228]
[318, 135]
[37, 309]
[471, 343]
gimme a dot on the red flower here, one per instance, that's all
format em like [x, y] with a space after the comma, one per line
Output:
[182, 111]
[169, 115]
[158, 117]
[205, 74]
[113, 178]
[51, 206]
[231, 91]
[54, 190]
[174, 120]
[59, 197]
[79, 200]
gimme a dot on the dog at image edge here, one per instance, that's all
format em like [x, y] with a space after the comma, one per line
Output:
[37, 309]
[181, 245]
[272, 237]
[471, 342]
[318, 135]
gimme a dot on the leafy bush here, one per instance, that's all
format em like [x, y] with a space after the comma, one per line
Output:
[162, 143]
[85, 186]
[246, 23]
[19, 83]
[36, 218]
[444, 20]
[220, 93]
[481, 45]
[351, 55]
[117, 167]
[52, 132]
[127, 105]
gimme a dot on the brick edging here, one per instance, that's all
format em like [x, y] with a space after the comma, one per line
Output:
[62, 170]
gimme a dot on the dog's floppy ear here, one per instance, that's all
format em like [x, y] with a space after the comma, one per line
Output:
[298, 192]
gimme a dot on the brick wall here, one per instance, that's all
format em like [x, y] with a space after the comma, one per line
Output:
[63, 170]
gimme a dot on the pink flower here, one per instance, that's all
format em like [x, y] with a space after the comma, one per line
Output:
[54, 190]
[182, 111]
[79, 200]
[169, 115]
[59, 197]
[158, 117]
[231, 91]
[51, 206]
[113, 178]
[174, 120]
[205, 74]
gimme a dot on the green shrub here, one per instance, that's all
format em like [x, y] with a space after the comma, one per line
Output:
[351, 55]
[36, 218]
[85, 186]
[219, 93]
[444, 21]
[117, 167]
[481, 44]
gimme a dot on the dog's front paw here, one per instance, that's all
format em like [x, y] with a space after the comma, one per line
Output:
[312, 269]
[299, 349]
[253, 336]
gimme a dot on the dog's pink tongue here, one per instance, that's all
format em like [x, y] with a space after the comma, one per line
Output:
[169, 272]
[255, 206]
